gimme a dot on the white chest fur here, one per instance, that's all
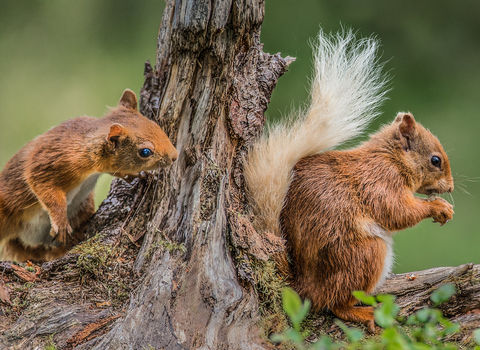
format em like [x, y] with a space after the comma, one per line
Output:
[389, 259]
[78, 195]
[372, 228]
[37, 231]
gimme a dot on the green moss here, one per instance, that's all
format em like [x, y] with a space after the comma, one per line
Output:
[149, 347]
[268, 285]
[50, 345]
[24, 287]
[170, 246]
[93, 254]
[165, 243]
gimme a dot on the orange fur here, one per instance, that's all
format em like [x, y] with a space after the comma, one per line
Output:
[343, 206]
[46, 188]
[339, 209]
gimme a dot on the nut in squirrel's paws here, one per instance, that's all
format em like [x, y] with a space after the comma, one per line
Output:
[443, 211]
[59, 233]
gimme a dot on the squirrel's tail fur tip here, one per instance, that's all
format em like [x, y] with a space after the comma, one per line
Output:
[347, 87]
[346, 90]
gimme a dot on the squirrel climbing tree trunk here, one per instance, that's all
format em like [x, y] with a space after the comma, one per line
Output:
[187, 284]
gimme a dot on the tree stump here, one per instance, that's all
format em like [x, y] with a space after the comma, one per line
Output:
[162, 267]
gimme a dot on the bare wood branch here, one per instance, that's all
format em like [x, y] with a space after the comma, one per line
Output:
[413, 289]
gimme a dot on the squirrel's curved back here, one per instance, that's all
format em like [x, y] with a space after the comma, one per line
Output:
[346, 91]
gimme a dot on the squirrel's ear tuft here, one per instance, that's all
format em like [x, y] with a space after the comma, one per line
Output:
[407, 124]
[128, 100]
[116, 132]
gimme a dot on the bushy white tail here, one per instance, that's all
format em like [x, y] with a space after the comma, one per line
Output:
[347, 89]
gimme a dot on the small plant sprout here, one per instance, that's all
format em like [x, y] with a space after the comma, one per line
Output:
[426, 329]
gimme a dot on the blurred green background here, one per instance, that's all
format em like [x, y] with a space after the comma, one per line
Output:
[63, 59]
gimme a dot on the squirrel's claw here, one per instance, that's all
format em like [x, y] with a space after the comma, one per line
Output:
[59, 234]
[141, 175]
[442, 222]
[370, 327]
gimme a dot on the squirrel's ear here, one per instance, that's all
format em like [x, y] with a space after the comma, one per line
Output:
[407, 124]
[116, 132]
[128, 100]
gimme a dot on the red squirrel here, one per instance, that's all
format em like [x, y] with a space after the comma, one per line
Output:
[46, 189]
[338, 210]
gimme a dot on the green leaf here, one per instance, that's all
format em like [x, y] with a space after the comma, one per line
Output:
[353, 334]
[435, 316]
[423, 315]
[292, 304]
[342, 325]
[393, 339]
[421, 346]
[278, 338]
[430, 332]
[386, 298]
[412, 320]
[418, 334]
[476, 336]
[442, 294]
[300, 315]
[291, 301]
[364, 298]
[290, 335]
[294, 336]
[324, 343]
[454, 327]
[382, 318]
[372, 345]
[386, 313]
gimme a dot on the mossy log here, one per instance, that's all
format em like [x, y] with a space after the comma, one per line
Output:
[164, 268]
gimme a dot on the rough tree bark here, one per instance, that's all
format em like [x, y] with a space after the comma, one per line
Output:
[209, 89]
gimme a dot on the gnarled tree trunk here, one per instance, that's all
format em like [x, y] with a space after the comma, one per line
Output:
[209, 89]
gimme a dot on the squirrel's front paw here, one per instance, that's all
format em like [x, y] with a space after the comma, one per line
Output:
[443, 211]
[59, 232]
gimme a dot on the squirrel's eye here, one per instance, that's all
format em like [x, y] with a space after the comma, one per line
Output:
[436, 161]
[145, 152]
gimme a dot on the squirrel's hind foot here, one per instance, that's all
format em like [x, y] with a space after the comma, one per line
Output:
[361, 314]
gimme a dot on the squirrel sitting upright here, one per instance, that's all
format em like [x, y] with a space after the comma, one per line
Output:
[338, 210]
[46, 189]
